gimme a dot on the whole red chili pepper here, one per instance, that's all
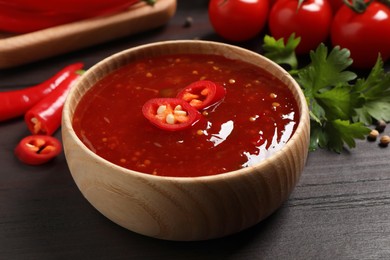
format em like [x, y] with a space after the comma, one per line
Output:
[24, 16]
[68, 6]
[45, 117]
[37, 149]
[17, 20]
[16, 102]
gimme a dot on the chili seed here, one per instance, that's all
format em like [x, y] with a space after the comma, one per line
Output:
[232, 81]
[205, 92]
[161, 109]
[47, 149]
[149, 75]
[273, 95]
[32, 148]
[373, 135]
[170, 119]
[199, 132]
[180, 113]
[384, 141]
[380, 126]
[196, 102]
[147, 162]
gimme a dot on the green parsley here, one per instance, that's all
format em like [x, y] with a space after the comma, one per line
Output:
[341, 104]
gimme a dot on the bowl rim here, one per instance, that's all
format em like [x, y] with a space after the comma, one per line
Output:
[303, 122]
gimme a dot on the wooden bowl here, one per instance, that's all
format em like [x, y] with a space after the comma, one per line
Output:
[184, 208]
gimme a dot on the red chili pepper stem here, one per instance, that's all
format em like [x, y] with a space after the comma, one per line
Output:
[15, 103]
[44, 118]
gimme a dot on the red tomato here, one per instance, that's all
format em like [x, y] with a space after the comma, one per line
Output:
[364, 34]
[312, 22]
[38, 149]
[238, 20]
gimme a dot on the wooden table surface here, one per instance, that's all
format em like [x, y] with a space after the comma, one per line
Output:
[340, 208]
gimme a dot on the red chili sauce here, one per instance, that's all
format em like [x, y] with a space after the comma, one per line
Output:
[257, 117]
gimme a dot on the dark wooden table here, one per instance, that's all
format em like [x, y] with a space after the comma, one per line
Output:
[340, 209]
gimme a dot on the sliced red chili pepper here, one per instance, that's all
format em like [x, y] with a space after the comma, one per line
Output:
[202, 94]
[170, 114]
[16, 102]
[38, 149]
[45, 116]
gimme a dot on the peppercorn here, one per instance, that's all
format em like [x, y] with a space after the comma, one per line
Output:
[188, 22]
[380, 126]
[373, 135]
[384, 141]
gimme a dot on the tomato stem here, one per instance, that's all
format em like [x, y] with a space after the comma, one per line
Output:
[300, 2]
[358, 6]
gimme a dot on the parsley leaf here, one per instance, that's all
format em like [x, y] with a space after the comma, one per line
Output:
[325, 70]
[375, 91]
[343, 131]
[339, 110]
[335, 134]
[282, 54]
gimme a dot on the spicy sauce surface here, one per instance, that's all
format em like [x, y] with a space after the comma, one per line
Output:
[256, 117]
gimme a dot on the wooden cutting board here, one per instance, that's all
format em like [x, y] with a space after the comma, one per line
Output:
[25, 48]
